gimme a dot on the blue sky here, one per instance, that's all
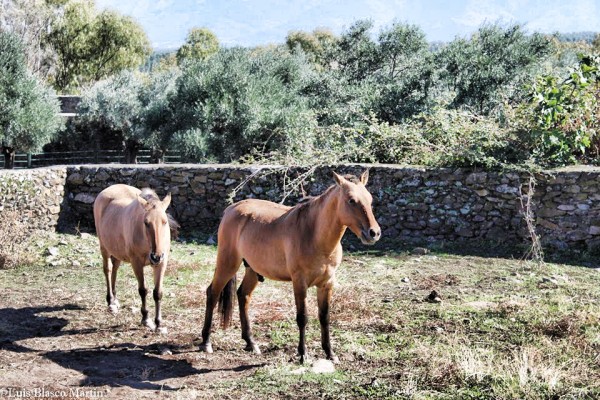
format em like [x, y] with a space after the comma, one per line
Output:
[259, 22]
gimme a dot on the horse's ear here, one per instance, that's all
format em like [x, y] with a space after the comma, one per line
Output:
[143, 202]
[339, 180]
[166, 201]
[364, 177]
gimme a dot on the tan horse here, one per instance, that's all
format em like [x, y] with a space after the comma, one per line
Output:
[300, 244]
[132, 226]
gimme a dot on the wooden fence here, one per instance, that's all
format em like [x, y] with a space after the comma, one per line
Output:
[33, 160]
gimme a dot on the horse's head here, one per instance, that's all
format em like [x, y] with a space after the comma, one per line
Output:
[354, 208]
[156, 224]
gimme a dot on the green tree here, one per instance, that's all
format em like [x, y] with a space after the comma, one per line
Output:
[356, 54]
[28, 110]
[30, 21]
[199, 44]
[114, 104]
[132, 107]
[90, 46]
[236, 102]
[316, 44]
[406, 73]
[492, 63]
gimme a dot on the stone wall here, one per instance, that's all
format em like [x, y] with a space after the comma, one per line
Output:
[411, 204]
[38, 195]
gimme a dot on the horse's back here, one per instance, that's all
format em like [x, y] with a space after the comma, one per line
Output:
[110, 204]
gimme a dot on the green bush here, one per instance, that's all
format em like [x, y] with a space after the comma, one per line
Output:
[560, 120]
[443, 138]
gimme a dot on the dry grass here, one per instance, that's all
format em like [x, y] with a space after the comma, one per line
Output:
[14, 240]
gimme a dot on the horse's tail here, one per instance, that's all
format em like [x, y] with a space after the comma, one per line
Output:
[226, 302]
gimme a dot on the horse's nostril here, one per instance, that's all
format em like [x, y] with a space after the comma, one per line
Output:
[373, 233]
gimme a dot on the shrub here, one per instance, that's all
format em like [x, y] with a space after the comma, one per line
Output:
[560, 120]
[443, 138]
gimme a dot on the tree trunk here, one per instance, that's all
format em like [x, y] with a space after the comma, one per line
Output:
[157, 156]
[131, 151]
[9, 157]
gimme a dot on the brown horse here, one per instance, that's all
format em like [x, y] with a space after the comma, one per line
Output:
[300, 244]
[132, 226]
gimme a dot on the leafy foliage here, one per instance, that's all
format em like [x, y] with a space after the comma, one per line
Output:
[490, 65]
[239, 102]
[91, 46]
[562, 114]
[199, 44]
[28, 110]
[133, 106]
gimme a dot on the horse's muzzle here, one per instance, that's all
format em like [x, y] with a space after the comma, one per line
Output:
[156, 258]
[370, 236]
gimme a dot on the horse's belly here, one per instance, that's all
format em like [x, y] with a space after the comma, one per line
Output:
[268, 263]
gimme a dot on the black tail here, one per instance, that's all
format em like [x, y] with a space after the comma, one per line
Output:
[226, 302]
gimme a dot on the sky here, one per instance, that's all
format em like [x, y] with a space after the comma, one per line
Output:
[261, 22]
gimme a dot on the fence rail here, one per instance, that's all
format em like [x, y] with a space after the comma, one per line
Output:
[33, 160]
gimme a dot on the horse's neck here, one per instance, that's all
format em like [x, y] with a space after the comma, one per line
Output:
[328, 228]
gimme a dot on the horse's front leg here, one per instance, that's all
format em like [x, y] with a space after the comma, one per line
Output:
[324, 299]
[138, 270]
[301, 318]
[157, 293]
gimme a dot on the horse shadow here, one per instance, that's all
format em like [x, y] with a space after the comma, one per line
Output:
[17, 324]
[124, 364]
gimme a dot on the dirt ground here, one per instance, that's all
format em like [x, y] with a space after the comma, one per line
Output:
[57, 338]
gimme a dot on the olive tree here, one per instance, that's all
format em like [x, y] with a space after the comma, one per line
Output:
[491, 63]
[238, 102]
[29, 112]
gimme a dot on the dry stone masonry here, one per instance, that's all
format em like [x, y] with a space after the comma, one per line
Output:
[412, 204]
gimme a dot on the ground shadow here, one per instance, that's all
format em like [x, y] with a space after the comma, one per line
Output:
[126, 364]
[18, 324]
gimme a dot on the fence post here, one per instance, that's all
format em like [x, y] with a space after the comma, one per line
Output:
[28, 160]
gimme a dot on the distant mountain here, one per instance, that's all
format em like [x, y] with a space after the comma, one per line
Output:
[587, 37]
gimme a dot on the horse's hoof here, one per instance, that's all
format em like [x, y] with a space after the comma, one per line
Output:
[304, 359]
[113, 308]
[161, 330]
[206, 347]
[334, 359]
[149, 324]
[253, 348]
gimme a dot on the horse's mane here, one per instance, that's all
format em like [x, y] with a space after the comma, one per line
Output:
[307, 198]
[150, 196]
[306, 202]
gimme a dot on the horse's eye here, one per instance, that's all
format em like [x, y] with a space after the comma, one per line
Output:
[351, 201]
[146, 223]
[164, 222]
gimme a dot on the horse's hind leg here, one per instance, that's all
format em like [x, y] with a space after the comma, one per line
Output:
[108, 268]
[227, 266]
[244, 295]
[115, 268]
[138, 270]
